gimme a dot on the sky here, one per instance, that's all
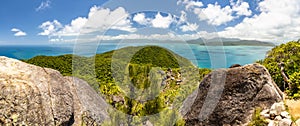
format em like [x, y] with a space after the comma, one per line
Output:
[67, 21]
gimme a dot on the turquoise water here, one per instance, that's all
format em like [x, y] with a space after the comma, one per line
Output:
[202, 56]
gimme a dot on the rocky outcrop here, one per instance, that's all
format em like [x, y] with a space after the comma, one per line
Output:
[230, 96]
[277, 115]
[31, 95]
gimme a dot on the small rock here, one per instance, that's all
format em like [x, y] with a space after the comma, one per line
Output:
[272, 123]
[285, 114]
[278, 118]
[285, 122]
[267, 116]
[266, 111]
[277, 108]
[148, 123]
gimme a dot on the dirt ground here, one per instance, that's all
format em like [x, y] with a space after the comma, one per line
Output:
[294, 108]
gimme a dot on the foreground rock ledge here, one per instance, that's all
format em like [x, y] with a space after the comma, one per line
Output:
[31, 95]
[229, 96]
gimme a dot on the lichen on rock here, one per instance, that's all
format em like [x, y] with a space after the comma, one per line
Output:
[241, 90]
[32, 95]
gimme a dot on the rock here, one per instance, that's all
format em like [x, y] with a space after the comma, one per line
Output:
[148, 123]
[272, 123]
[285, 122]
[267, 116]
[229, 96]
[89, 107]
[278, 118]
[273, 114]
[277, 108]
[31, 95]
[297, 122]
[235, 65]
[265, 112]
[285, 114]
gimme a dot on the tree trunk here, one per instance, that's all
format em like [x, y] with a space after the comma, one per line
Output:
[285, 77]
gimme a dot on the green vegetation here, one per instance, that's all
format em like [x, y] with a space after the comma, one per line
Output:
[138, 81]
[257, 120]
[289, 55]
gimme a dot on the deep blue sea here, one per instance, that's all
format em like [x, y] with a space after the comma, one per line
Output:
[202, 56]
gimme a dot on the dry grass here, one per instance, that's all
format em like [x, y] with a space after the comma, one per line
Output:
[294, 108]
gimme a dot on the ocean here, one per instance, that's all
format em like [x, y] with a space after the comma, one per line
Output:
[202, 56]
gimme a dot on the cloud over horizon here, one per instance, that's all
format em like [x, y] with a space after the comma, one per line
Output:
[18, 32]
[98, 19]
[270, 21]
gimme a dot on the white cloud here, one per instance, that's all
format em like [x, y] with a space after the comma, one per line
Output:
[99, 19]
[189, 27]
[162, 22]
[167, 36]
[18, 32]
[50, 28]
[278, 21]
[141, 19]
[158, 21]
[241, 8]
[182, 17]
[190, 4]
[74, 28]
[43, 5]
[103, 19]
[214, 14]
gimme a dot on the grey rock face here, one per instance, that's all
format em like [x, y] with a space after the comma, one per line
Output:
[31, 95]
[89, 108]
[243, 89]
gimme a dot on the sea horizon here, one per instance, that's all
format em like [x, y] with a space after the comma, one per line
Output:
[200, 55]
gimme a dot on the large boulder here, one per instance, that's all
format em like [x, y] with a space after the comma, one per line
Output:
[230, 96]
[31, 95]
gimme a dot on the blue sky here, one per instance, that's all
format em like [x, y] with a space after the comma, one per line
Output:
[65, 21]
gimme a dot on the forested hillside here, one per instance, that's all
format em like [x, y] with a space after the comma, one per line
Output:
[161, 79]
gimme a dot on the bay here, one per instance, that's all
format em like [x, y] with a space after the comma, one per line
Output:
[202, 56]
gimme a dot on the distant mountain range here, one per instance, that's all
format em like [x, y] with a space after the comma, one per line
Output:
[229, 42]
[200, 41]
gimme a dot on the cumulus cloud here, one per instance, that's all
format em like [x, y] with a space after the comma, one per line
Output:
[215, 14]
[98, 19]
[158, 21]
[74, 27]
[18, 32]
[43, 5]
[278, 20]
[141, 19]
[190, 4]
[50, 28]
[241, 8]
[162, 22]
[189, 27]
[182, 17]
[104, 18]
